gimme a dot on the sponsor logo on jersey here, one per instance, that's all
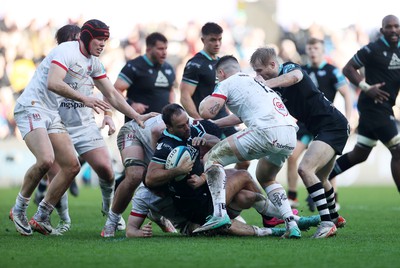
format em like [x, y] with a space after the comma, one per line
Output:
[288, 68]
[280, 107]
[130, 136]
[394, 62]
[159, 146]
[72, 105]
[282, 146]
[168, 71]
[36, 117]
[161, 80]
[193, 64]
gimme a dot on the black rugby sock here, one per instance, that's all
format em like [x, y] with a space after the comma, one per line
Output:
[342, 164]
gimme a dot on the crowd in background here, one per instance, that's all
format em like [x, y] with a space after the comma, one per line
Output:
[22, 48]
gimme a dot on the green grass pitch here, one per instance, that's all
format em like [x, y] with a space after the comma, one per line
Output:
[370, 239]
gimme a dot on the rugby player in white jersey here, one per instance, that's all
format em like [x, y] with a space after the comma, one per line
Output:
[66, 68]
[270, 136]
[87, 140]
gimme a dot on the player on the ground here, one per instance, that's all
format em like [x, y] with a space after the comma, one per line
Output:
[191, 195]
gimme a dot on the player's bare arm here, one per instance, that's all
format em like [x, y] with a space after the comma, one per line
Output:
[210, 106]
[350, 70]
[228, 121]
[187, 92]
[285, 80]
[118, 101]
[157, 175]
[55, 83]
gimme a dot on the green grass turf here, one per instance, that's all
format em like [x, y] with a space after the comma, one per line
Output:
[370, 239]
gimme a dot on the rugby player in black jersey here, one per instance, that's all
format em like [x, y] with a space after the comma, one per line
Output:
[199, 78]
[328, 125]
[379, 89]
[329, 79]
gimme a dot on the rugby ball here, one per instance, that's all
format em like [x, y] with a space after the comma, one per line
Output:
[175, 157]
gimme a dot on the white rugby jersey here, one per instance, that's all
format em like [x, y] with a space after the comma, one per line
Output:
[79, 70]
[255, 104]
[74, 113]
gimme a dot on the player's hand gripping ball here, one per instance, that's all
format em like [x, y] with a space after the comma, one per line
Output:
[175, 158]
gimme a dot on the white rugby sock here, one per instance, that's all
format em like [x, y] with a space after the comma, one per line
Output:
[21, 203]
[44, 211]
[261, 231]
[107, 192]
[277, 195]
[62, 208]
[216, 180]
[113, 218]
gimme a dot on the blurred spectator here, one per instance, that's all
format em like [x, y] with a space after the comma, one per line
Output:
[288, 52]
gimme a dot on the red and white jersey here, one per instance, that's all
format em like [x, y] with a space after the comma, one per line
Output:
[257, 105]
[79, 70]
[74, 113]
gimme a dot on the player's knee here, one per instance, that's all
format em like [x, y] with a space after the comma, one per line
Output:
[209, 163]
[45, 164]
[303, 171]
[292, 162]
[134, 175]
[215, 172]
[75, 168]
[105, 172]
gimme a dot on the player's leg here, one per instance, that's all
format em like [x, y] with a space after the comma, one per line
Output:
[237, 180]
[74, 188]
[69, 167]
[222, 154]
[317, 157]
[330, 194]
[358, 155]
[39, 144]
[395, 164]
[100, 161]
[390, 137]
[226, 132]
[246, 199]
[274, 156]
[135, 170]
[266, 173]
[64, 224]
[242, 229]
[366, 140]
[41, 190]
[292, 175]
